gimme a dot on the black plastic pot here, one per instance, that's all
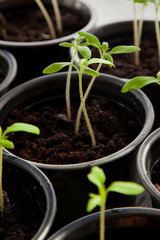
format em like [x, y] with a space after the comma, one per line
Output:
[29, 188]
[120, 223]
[120, 33]
[148, 156]
[70, 180]
[33, 57]
[8, 66]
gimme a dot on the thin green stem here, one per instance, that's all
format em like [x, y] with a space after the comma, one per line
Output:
[140, 27]
[85, 97]
[1, 190]
[157, 30]
[84, 109]
[47, 18]
[68, 105]
[102, 221]
[135, 30]
[57, 16]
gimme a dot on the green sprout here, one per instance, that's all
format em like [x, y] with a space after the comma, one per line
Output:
[98, 178]
[157, 5]
[105, 53]
[4, 142]
[140, 82]
[48, 19]
[84, 50]
[138, 26]
[83, 67]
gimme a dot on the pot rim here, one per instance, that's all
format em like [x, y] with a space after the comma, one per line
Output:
[88, 27]
[117, 212]
[48, 189]
[12, 69]
[149, 119]
[141, 163]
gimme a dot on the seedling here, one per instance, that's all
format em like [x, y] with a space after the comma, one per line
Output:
[83, 67]
[140, 82]
[105, 53]
[98, 178]
[138, 26]
[105, 58]
[4, 142]
[157, 5]
[48, 19]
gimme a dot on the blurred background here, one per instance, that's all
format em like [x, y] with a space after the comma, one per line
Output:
[117, 10]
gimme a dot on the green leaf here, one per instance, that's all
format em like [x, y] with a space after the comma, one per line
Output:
[91, 39]
[55, 67]
[105, 46]
[66, 44]
[138, 82]
[91, 72]
[16, 127]
[6, 143]
[94, 201]
[97, 176]
[128, 188]
[98, 60]
[108, 57]
[158, 75]
[124, 49]
[84, 51]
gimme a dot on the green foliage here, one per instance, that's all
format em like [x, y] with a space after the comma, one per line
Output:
[82, 47]
[4, 142]
[98, 178]
[139, 82]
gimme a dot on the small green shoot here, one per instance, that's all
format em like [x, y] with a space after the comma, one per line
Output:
[83, 67]
[157, 30]
[4, 142]
[98, 178]
[140, 82]
[138, 26]
[84, 50]
[105, 53]
[48, 19]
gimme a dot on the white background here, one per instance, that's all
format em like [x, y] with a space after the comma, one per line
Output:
[117, 10]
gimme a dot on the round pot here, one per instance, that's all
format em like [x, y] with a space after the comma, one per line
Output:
[32, 194]
[33, 57]
[148, 156]
[8, 66]
[121, 33]
[120, 222]
[67, 178]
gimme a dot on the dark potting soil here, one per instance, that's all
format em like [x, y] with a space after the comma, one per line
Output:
[113, 125]
[17, 223]
[28, 24]
[125, 63]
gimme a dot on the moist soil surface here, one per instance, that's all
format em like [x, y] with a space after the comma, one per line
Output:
[125, 63]
[114, 127]
[28, 24]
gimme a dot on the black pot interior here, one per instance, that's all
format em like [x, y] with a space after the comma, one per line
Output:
[52, 88]
[27, 196]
